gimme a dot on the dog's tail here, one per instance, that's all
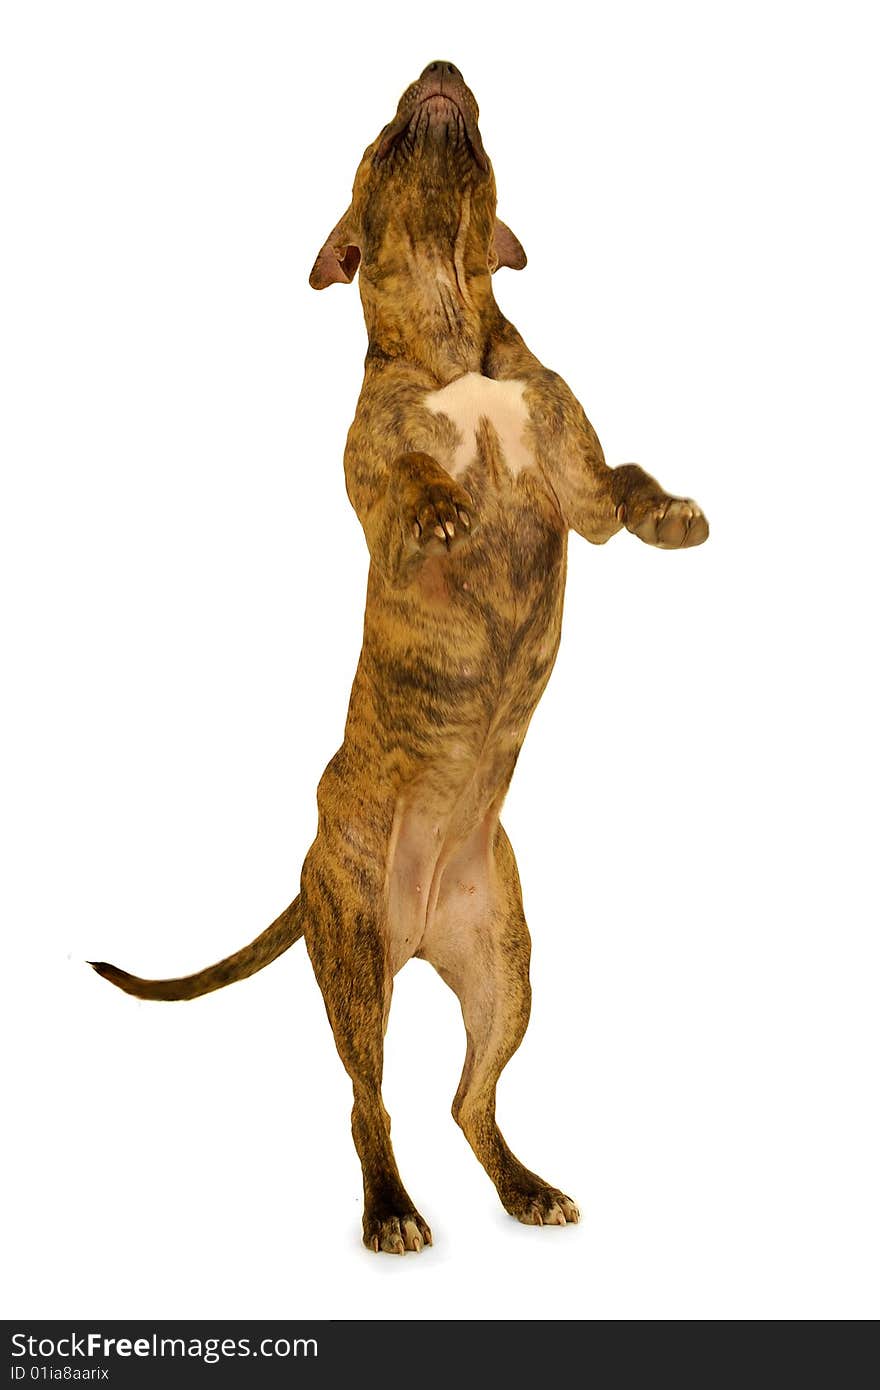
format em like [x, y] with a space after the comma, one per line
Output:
[270, 944]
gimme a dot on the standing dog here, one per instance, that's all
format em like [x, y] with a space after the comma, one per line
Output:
[468, 463]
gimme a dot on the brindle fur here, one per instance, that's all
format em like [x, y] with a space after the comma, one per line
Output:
[463, 615]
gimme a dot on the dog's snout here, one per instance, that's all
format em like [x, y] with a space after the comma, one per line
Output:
[441, 68]
[446, 97]
[443, 79]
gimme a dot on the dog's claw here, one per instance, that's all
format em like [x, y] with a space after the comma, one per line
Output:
[413, 1236]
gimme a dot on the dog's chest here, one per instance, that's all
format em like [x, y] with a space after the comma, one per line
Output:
[469, 404]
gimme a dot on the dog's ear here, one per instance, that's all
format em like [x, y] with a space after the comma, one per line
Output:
[506, 248]
[339, 257]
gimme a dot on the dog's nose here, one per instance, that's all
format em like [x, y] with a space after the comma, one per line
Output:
[440, 68]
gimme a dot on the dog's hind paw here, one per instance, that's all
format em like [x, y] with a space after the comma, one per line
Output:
[396, 1234]
[542, 1206]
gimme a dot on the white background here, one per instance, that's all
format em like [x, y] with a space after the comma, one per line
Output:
[183, 582]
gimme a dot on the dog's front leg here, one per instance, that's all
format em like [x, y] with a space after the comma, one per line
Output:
[649, 512]
[598, 501]
[414, 510]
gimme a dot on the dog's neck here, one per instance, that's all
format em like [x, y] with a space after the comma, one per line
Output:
[436, 323]
[429, 301]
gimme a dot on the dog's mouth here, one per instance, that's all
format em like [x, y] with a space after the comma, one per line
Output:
[431, 109]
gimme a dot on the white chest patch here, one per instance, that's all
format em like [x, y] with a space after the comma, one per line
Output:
[474, 398]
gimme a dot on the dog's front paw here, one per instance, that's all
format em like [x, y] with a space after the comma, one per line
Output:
[437, 516]
[396, 1234]
[670, 523]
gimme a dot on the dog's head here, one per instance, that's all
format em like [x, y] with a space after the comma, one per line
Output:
[423, 196]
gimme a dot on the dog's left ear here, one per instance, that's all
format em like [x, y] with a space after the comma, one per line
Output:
[506, 249]
[339, 257]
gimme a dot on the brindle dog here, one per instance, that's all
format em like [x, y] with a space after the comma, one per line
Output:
[468, 463]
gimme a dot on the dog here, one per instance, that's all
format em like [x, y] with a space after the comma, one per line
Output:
[467, 464]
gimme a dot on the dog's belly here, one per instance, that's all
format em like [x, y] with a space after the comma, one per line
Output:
[439, 861]
[439, 874]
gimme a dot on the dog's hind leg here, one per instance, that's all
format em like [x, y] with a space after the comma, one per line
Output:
[348, 953]
[483, 955]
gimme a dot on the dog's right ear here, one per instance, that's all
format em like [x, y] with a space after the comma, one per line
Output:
[339, 257]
